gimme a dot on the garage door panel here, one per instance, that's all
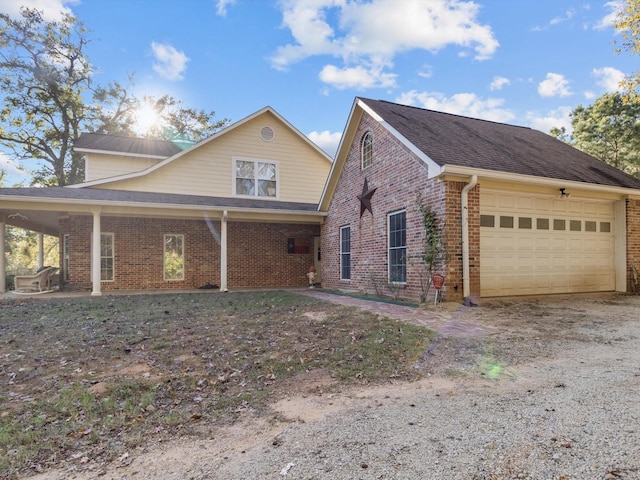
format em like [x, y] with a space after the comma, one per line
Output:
[533, 258]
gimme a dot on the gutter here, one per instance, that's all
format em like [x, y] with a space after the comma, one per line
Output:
[466, 284]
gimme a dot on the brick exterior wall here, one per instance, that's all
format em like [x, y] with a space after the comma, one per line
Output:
[399, 177]
[256, 253]
[633, 237]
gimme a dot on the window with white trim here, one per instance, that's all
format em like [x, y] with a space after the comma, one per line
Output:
[366, 150]
[173, 257]
[107, 257]
[397, 256]
[255, 178]
[345, 253]
[65, 257]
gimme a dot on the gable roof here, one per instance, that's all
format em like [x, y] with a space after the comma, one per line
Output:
[455, 140]
[211, 138]
[130, 146]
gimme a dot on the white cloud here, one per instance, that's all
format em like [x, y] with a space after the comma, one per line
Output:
[51, 9]
[608, 78]
[326, 140]
[468, 104]
[170, 63]
[426, 71]
[356, 77]
[372, 33]
[567, 16]
[555, 85]
[590, 95]
[221, 7]
[13, 172]
[559, 118]
[607, 21]
[499, 82]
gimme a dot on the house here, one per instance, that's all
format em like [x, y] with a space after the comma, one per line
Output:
[238, 209]
[521, 212]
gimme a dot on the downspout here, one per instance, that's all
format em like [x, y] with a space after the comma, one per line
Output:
[466, 284]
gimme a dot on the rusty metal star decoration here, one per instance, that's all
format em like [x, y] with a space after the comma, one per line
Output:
[365, 198]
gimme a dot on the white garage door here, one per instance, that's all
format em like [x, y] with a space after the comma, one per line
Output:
[539, 245]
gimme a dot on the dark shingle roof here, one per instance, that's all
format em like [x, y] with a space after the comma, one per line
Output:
[130, 145]
[91, 194]
[468, 142]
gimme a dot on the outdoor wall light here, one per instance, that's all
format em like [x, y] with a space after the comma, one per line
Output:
[564, 194]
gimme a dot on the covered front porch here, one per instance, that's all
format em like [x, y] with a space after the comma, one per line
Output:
[247, 243]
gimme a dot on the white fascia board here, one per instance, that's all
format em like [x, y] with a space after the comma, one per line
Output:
[336, 161]
[532, 180]
[432, 167]
[122, 154]
[56, 203]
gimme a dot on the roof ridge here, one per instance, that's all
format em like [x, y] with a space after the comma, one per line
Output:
[128, 137]
[446, 113]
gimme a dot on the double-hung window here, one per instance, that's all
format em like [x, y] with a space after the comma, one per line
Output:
[345, 253]
[398, 247]
[256, 178]
[106, 257]
[173, 257]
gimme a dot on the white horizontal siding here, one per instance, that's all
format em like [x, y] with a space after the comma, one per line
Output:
[208, 170]
[99, 166]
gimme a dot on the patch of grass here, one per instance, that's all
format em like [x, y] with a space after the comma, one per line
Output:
[168, 364]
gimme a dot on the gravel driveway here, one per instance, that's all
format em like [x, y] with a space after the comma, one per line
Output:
[543, 389]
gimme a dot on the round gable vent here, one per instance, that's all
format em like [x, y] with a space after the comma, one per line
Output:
[267, 134]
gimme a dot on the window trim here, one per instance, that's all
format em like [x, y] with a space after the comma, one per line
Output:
[112, 257]
[164, 257]
[390, 248]
[65, 256]
[369, 145]
[344, 253]
[255, 161]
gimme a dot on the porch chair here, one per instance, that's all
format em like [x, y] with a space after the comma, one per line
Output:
[635, 281]
[40, 281]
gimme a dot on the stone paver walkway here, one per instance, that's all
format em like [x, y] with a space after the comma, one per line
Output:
[443, 323]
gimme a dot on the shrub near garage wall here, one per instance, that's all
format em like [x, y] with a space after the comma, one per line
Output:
[257, 253]
[398, 176]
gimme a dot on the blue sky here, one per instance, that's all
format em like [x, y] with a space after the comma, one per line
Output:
[524, 62]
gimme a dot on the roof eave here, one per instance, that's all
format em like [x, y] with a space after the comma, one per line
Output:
[533, 180]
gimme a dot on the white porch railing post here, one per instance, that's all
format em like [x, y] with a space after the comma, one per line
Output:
[223, 252]
[40, 249]
[3, 261]
[95, 255]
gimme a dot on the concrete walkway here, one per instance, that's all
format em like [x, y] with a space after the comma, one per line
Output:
[444, 323]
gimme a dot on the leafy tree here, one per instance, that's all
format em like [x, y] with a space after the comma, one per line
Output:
[50, 97]
[628, 24]
[609, 130]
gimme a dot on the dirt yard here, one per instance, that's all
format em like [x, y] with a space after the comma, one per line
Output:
[536, 388]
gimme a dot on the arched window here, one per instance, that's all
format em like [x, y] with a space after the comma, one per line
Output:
[367, 150]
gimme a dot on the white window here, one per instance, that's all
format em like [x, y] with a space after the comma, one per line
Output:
[65, 257]
[255, 178]
[173, 257]
[106, 257]
[345, 253]
[398, 247]
[366, 150]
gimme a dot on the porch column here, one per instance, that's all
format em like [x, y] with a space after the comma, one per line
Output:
[223, 252]
[40, 249]
[95, 255]
[3, 263]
